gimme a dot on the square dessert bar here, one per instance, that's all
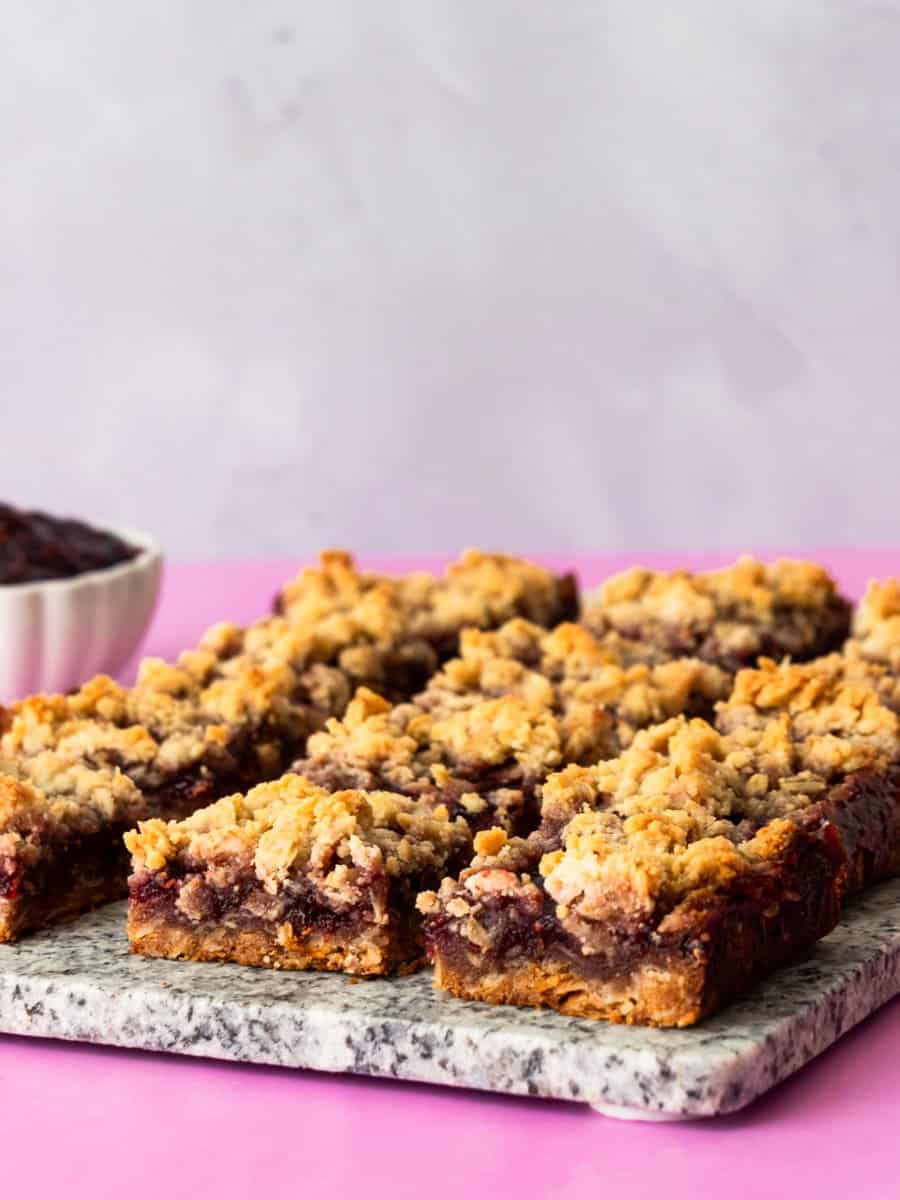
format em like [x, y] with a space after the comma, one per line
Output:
[841, 713]
[291, 876]
[730, 616]
[485, 763]
[421, 610]
[602, 690]
[662, 883]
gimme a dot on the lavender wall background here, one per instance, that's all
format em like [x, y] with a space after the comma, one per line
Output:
[410, 274]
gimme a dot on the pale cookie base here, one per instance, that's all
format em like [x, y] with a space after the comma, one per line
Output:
[373, 952]
[647, 995]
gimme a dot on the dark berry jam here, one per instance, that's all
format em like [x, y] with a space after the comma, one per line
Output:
[35, 546]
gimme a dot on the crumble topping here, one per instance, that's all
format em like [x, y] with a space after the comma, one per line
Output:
[751, 773]
[678, 757]
[80, 801]
[336, 590]
[598, 693]
[480, 589]
[406, 740]
[876, 624]
[730, 615]
[486, 761]
[834, 708]
[623, 869]
[485, 589]
[22, 809]
[567, 649]
[688, 807]
[495, 731]
[90, 761]
[290, 826]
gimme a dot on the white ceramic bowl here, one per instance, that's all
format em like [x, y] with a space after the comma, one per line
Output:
[57, 633]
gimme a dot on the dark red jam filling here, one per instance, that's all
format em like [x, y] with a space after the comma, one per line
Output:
[157, 893]
[92, 861]
[35, 546]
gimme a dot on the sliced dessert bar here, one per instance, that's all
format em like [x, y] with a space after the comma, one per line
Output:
[485, 762]
[839, 712]
[730, 616]
[662, 883]
[61, 854]
[480, 590]
[291, 875]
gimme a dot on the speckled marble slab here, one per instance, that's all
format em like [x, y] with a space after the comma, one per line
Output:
[79, 982]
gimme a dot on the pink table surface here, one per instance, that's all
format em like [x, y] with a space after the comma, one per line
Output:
[83, 1121]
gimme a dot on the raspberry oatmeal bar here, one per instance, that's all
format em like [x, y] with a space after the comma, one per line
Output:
[839, 715]
[485, 762]
[663, 882]
[293, 876]
[731, 616]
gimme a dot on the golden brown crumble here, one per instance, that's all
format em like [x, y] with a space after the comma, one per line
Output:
[406, 740]
[486, 761]
[754, 772]
[106, 745]
[624, 868]
[876, 625]
[599, 694]
[290, 826]
[480, 590]
[568, 648]
[730, 615]
[833, 705]
[674, 810]
[853, 668]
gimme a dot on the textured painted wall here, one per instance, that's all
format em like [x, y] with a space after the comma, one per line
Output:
[410, 274]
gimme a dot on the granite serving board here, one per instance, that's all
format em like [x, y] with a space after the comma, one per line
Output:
[79, 982]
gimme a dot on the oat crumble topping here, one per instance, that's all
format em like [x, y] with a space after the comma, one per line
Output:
[404, 741]
[876, 625]
[730, 615]
[835, 709]
[290, 826]
[600, 694]
[479, 590]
